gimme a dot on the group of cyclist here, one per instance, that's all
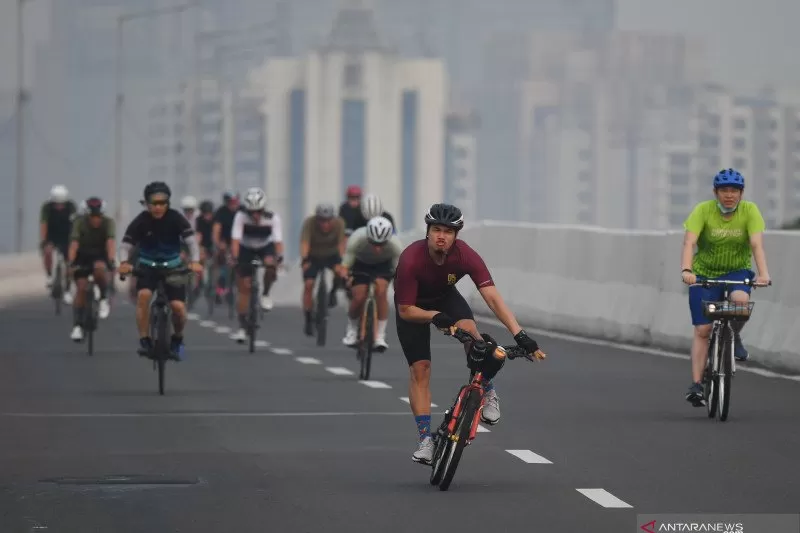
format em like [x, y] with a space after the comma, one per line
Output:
[359, 243]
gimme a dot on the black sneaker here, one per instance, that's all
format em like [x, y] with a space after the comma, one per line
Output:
[145, 347]
[695, 395]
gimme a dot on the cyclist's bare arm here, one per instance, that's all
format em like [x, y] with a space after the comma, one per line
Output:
[216, 231]
[342, 237]
[498, 306]
[43, 225]
[111, 243]
[277, 235]
[689, 242]
[74, 242]
[757, 245]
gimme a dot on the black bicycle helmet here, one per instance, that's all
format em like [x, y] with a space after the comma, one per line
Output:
[95, 206]
[445, 215]
[206, 206]
[156, 187]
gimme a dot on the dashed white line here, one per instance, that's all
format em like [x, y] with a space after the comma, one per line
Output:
[408, 401]
[482, 429]
[208, 324]
[307, 360]
[192, 316]
[530, 457]
[376, 384]
[604, 498]
[223, 329]
[284, 351]
[339, 371]
[262, 344]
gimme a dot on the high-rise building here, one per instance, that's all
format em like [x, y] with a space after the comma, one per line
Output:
[352, 112]
[461, 162]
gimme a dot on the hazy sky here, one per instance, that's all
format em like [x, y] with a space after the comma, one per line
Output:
[750, 41]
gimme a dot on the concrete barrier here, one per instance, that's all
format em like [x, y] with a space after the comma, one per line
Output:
[21, 276]
[625, 286]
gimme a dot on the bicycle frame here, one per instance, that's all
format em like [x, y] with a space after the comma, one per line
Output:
[253, 307]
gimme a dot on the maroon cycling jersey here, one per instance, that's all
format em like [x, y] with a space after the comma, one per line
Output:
[419, 280]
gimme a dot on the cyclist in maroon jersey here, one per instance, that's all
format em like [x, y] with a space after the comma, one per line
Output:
[425, 293]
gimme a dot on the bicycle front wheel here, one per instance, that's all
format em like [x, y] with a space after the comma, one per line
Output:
[460, 438]
[368, 340]
[725, 374]
[322, 310]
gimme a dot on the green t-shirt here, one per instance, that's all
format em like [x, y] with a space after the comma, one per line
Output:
[723, 246]
[93, 240]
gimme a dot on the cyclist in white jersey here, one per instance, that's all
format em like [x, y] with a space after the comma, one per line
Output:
[189, 209]
[256, 233]
[372, 252]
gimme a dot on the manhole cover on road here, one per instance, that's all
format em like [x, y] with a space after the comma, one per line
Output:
[122, 480]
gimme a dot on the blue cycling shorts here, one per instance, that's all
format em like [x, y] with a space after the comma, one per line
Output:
[714, 294]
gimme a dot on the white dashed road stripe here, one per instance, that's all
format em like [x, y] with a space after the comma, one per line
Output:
[482, 429]
[376, 384]
[281, 351]
[262, 344]
[604, 498]
[223, 329]
[308, 360]
[405, 399]
[530, 457]
[192, 316]
[208, 324]
[339, 371]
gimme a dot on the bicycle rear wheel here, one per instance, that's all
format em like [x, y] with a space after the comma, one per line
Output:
[725, 373]
[89, 320]
[57, 291]
[368, 340]
[322, 310]
[457, 442]
[252, 317]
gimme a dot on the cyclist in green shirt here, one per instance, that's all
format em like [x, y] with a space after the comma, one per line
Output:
[727, 232]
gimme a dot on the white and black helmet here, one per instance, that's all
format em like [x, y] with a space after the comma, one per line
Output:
[324, 211]
[379, 230]
[444, 215]
[371, 206]
[255, 199]
[188, 202]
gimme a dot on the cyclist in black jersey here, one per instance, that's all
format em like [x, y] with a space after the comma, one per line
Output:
[55, 226]
[203, 228]
[159, 232]
[221, 235]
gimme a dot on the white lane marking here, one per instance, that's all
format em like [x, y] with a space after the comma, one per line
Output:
[192, 316]
[339, 371]
[408, 401]
[376, 384]
[482, 429]
[308, 360]
[604, 498]
[530, 457]
[199, 415]
[633, 348]
[208, 324]
[262, 344]
[281, 351]
[223, 329]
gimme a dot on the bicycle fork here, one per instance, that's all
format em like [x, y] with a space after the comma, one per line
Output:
[448, 427]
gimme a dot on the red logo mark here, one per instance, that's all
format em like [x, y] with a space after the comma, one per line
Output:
[650, 527]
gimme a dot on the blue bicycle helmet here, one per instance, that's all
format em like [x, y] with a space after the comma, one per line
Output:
[729, 178]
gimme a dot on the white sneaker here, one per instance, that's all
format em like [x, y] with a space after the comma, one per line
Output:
[350, 337]
[48, 280]
[424, 453]
[240, 336]
[77, 334]
[491, 408]
[266, 303]
[97, 292]
[103, 309]
[68, 298]
[381, 344]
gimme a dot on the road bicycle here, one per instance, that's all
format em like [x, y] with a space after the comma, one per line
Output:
[721, 364]
[460, 424]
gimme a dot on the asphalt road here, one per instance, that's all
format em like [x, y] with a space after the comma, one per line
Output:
[287, 439]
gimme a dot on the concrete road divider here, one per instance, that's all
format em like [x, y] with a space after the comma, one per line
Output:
[21, 276]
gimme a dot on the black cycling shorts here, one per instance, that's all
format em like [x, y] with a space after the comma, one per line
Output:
[415, 338]
[85, 263]
[243, 266]
[363, 272]
[61, 246]
[320, 263]
[174, 286]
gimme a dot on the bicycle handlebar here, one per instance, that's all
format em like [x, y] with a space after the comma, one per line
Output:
[139, 270]
[728, 282]
[512, 351]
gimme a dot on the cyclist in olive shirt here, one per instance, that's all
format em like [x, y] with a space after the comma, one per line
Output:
[322, 245]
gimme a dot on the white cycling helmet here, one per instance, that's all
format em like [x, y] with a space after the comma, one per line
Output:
[379, 230]
[255, 199]
[188, 202]
[59, 194]
[83, 209]
[371, 206]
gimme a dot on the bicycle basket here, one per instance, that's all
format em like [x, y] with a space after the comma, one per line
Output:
[729, 310]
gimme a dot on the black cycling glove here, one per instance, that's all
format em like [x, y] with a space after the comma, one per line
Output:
[523, 341]
[442, 321]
